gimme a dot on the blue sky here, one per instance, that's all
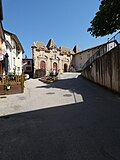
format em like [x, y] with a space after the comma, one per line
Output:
[65, 21]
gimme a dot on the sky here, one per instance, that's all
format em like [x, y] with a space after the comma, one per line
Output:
[64, 21]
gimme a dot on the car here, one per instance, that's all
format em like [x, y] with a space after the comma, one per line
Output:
[27, 76]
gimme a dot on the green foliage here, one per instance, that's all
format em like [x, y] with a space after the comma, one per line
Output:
[107, 19]
[8, 86]
[51, 73]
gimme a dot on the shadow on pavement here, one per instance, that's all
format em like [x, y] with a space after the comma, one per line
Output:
[76, 131]
[88, 90]
[82, 131]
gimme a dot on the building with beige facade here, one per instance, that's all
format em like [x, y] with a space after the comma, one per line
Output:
[47, 58]
[80, 58]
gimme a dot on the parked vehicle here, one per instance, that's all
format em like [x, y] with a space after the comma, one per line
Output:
[27, 76]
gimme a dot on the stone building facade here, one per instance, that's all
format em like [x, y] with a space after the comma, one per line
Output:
[47, 58]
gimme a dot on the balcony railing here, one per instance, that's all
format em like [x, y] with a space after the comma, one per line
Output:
[115, 40]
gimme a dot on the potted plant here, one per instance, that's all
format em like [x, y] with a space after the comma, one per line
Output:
[8, 86]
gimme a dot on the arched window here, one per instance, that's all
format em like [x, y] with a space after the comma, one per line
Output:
[55, 66]
[42, 65]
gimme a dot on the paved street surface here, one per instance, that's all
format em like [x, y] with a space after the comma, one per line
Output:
[39, 95]
[70, 119]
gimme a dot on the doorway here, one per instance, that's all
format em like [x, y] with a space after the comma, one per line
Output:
[0, 67]
[65, 67]
[42, 69]
[55, 66]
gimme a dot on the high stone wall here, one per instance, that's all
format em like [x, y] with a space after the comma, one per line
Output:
[105, 70]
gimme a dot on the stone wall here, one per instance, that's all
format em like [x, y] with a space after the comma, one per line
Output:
[105, 70]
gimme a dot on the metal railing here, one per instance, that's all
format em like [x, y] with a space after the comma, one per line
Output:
[116, 38]
[113, 42]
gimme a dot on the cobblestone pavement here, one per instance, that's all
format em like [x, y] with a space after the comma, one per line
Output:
[85, 130]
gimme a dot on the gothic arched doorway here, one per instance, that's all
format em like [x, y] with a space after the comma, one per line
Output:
[42, 65]
[65, 67]
[55, 66]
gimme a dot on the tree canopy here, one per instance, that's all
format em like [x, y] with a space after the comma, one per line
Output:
[107, 19]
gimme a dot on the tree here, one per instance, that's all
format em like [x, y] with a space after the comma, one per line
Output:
[107, 19]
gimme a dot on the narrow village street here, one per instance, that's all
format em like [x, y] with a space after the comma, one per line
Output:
[70, 119]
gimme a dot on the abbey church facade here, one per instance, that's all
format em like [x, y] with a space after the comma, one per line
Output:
[47, 58]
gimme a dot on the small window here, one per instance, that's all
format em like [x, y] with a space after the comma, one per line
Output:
[28, 68]
[13, 60]
[18, 68]
[28, 62]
